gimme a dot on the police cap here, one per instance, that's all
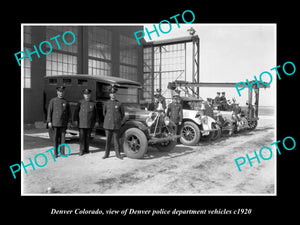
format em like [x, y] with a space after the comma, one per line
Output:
[176, 94]
[86, 91]
[60, 88]
[113, 89]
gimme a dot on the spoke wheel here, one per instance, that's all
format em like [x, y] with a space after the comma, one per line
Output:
[190, 133]
[252, 124]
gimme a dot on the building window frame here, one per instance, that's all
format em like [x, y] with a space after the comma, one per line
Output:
[27, 63]
[128, 58]
[62, 61]
[99, 61]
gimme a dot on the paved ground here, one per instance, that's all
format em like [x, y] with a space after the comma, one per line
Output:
[208, 168]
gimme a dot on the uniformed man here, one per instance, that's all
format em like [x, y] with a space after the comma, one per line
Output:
[159, 103]
[174, 111]
[217, 101]
[58, 118]
[208, 108]
[229, 105]
[250, 110]
[209, 102]
[235, 106]
[223, 98]
[217, 98]
[85, 117]
[223, 102]
[114, 116]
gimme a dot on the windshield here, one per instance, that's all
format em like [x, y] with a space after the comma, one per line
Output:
[127, 95]
[191, 105]
[124, 94]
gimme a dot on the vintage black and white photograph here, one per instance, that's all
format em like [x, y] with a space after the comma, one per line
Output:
[149, 109]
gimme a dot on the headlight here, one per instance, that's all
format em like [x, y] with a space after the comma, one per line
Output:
[234, 116]
[149, 122]
[150, 119]
[167, 121]
[204, 120]
[151, 114]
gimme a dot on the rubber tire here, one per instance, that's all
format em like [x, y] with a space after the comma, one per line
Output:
[143, 143]
[217, 133]
[253, 124]
[196, 139]
[228, 133]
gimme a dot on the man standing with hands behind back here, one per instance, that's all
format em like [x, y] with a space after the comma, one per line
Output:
[114, 115]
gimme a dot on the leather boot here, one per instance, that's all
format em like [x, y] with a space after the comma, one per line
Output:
[106, 155]
[118, 155]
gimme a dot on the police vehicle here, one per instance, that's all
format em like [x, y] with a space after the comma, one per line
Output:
[141, 129]
[196, 124]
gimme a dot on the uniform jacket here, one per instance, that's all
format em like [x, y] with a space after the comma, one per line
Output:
[86, 114]
[174, 112]
[58, 112]
[114, 113]
[217, 100]
[222, 99]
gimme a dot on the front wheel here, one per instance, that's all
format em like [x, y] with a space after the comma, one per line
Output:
[135, 143]
[228, 129]
[190, 133]
[218, 132]
[252, 124]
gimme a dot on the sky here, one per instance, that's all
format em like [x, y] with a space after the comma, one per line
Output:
[230, 53]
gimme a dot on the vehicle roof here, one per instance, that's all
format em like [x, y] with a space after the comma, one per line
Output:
[105, 79]
[184, 98]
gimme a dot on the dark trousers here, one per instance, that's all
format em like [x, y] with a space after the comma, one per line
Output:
[59, 138]
[109, 135]
[84, 140]
[176, 127]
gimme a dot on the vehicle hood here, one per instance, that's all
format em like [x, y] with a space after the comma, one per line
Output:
[134, 113]
[226, 114]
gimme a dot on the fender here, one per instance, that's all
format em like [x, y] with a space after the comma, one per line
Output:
[196, 120]
[190, 115]
[134, 123]
[210, 121]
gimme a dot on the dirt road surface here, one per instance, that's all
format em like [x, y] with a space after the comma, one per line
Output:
[206, 169]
